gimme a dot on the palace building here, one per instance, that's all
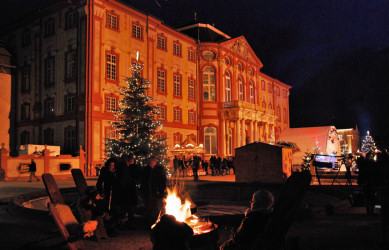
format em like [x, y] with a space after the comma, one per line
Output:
[72, 57]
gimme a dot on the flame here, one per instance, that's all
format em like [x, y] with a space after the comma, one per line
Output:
[174, 206]
[180, 209]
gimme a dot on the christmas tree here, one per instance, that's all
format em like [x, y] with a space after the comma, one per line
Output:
[307, 159]
[368, 144]
[135, 122]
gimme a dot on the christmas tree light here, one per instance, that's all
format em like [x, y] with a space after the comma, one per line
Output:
[368, 144]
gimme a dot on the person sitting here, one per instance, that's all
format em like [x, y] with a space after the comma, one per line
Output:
[254, 222]
[75, 229]
[170, 234]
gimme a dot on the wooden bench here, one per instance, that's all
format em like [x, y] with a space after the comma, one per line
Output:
[82, 188]
[73, 243]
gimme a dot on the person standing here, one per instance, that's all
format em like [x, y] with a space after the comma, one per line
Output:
[204, 164]
[125, 198]
[153, 188]
[106, 181]
[176, 166]
[195, 167]
[32, 169]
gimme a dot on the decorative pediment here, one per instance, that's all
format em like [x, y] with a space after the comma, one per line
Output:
[240, 47]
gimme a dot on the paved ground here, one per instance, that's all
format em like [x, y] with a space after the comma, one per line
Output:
[332, 223]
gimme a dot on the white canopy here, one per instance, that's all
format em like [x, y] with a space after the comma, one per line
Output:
[321, 140]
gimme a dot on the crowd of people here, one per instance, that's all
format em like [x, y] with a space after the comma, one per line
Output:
[214, 166]
[122, 186]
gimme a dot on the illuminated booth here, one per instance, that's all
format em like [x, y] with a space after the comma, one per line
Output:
[318, 140]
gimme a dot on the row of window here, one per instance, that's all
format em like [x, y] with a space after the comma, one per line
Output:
[49, 71]
[112, 22]
[112, 102]
[209, 87]
[177, 47]
[70, 142]
[177, 114]
[70, 106]
[71, 20]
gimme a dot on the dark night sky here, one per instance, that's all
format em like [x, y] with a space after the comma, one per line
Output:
[334, 53]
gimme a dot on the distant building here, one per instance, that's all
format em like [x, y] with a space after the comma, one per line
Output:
[349, 140]
[5, 95]
[72, 57]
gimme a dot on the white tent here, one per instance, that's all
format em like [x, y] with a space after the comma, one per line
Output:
[320, 140]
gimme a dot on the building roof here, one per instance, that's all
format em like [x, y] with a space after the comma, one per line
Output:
[204, 32]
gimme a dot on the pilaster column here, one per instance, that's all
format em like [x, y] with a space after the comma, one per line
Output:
[224, 136]
[251, 131]
[255, 131]
[237, 133]
[243, 132]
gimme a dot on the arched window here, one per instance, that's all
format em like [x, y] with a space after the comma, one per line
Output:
[240, 86]
[210, 140]
[209, 84]
[285, 116]
[279, 113]
[240, 67]
[228, 61]
[270, 106]
[228, 86]
[252, 95]
[263, 104]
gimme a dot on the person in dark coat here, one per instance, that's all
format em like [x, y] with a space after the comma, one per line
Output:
[125, 197]
[153, 188]
[169, 234]
[219, 165]
[254, 222]
[195, 167]
[176, 166]
[32, 169]
[205, 164]
[106, 181]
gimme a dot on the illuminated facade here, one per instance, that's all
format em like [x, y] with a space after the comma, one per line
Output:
[72, 61]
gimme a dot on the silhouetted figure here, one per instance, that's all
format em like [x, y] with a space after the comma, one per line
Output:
[106, 183]
[169, 234]
[254, 223]
[348, 161]
[176, 166]
[153, 187]
[125, 197]
[205, 165]
[365, 178]
[195, 167]
[32, 169]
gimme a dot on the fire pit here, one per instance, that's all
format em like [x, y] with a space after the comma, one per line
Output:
[205, 233]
